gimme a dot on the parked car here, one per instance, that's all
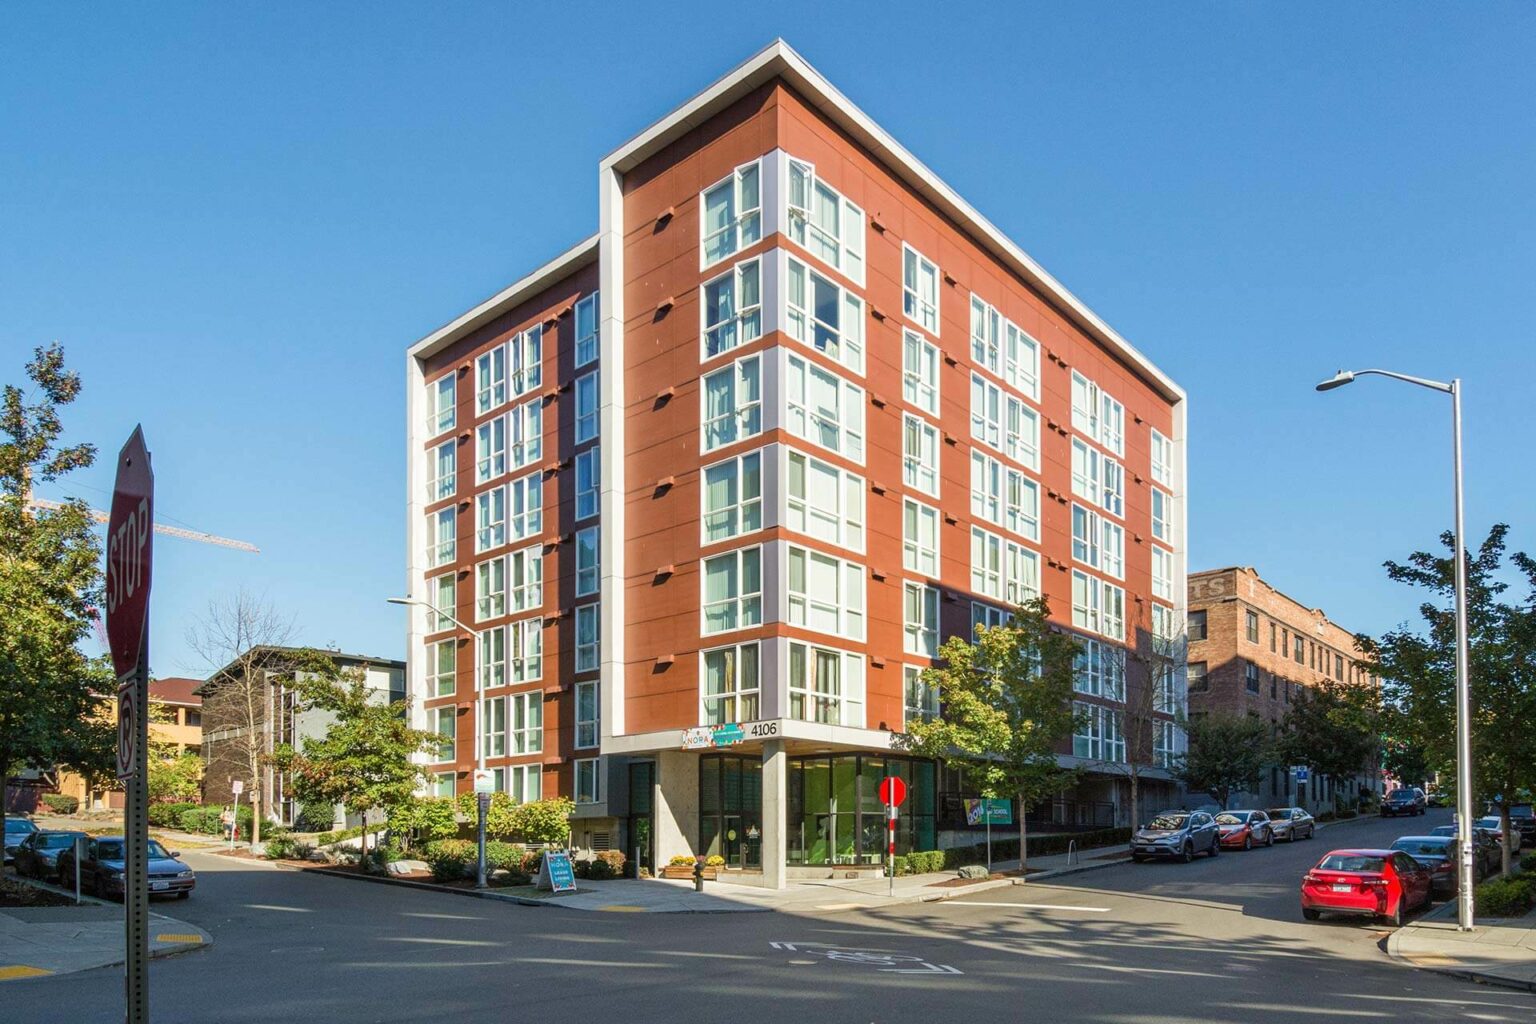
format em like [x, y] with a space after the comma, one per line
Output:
[1522, 818]
[1440, 798]
[38, 854]
[101, 869]
[1495, 828]
[16, 829]
[1438, 853]
[1486, 856]
[1176, 834]
[1404, 801]
[1243, 830]
[1291, 823]
[1369, 883]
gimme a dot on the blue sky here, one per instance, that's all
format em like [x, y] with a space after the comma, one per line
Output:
[236, 218]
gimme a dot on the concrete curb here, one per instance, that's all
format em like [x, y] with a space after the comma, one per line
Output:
[156, 951]
[479, 894]
[1445, 910]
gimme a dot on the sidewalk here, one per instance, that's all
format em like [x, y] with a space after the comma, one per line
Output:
[1498, 951]
[39, 941]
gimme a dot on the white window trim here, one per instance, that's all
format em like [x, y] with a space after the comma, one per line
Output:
[850, 606]
[917, 389]
[920, 637]
[850, 422]
[741, 415]
[583, 765]
[596, 566]
[851, 529]
[738, 510]
[800, 323]
[1162, 467]
[742, 316]
[742, 602]
[987, 419]
[590, 463]
[442, 484]
[594, 610]
[587, 305]
[912, 551]
[739, 693]
[848, 213]
[586, 420]
[913, 675]
[851, 682]
[440, 420]
[742, 215]
[593, 724]
[914, 470]
[912, 294]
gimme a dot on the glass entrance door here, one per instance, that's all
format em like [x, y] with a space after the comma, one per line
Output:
[640, 849]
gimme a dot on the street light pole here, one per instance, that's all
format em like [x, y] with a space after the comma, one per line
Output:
[1466, 877]
[479, 737]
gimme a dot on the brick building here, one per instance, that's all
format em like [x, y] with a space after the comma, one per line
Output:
[1251, 650]
[712, 486]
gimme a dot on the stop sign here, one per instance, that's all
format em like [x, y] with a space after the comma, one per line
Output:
[892, 791]
[129, 547]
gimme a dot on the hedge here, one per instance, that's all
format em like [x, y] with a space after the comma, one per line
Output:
[61, 804]
[1506, 897]
[340, 835]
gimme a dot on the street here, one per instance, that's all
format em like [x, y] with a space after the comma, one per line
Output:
[1211, 941]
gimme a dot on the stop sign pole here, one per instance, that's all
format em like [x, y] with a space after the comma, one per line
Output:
[130, 544]
[892, 792]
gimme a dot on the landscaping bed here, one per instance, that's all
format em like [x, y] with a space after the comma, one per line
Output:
[19, 894]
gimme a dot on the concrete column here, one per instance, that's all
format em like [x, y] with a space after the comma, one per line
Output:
[775, 809]
[676, 804]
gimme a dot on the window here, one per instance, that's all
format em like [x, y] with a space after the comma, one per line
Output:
[986, 615]
[440, 551]
[525, 517]
[823, 223]
[1165, 630]
[526, 641]
[921, 702]
[986, 488]
[732, 308]
[586, 407]
[986, 563]
[587, 310]
[490, 449]
[825, 501]
[1164, 695]
[733, 497]
[1098, 735]
[444, 604]
[733, 214]
[824, 315]
[733, 403]
[490, 519]
[1300, 649]
[1098, 606]
[442, 785]
[1021, 434]
[1162, 516]
[1112, 486]
[824, 408]
[586, 561]
[1096, 415]
[525, 570]
[1253, 627]
[1197, 625]
[493, 728]
[1162, 573]
[589, 781]
[1098, 478]
[586, 714]
[1098, 542]
[825, 685]
[1251, 676]
[588, 479]
[493, 657]
[920, 538]
[986, 412]
[586, 638]
[1338, 666]
[920, 372]
[527, 714]
[986, 334]
[442, 471]
[522, 782]
[440, 402]
[826, 593]
[1272, 638]
[1021, 581]
[920, 454]
[1022, 510]
[1162, 459]
[1164, 739]
[526, 354]
[491, 379]
[1099, 670]
[921, 620]
[733, 590]
[442, 664]
[731, 685]
[1197, 680]
[446, 728]
[920, 289]
[525, 427]
[1022, 369]
[490, 589]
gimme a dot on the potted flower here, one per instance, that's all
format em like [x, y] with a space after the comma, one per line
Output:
[679, 867]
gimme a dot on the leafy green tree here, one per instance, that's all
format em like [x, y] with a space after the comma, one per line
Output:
[50, 588]
[1402, 756]
[366, 759]
[1333, 728]
[174, 776]
[537, 821]
[1225, 752]
[1005, 707]
[423, 819]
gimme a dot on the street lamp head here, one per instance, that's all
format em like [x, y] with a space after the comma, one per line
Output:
[400, 600]
[1338, 380]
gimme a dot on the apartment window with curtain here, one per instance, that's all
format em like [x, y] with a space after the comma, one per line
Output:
[586, 714]
[586, 407]
[823, 408]
[921, 697]
[586, 637]
[920, 538]
[732, 496]
[825, 593]
[920, 454]
[733, 403]
[920, 372]
[920, 289]
[824, 223]
[824, 501]
[732, 214]
[441, 410]
[732, 590]
[589, 781]
[822, 314]
[442, 471]
[730, 684]
[732, 308]
[921, 619]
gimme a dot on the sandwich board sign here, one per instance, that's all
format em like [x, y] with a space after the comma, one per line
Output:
[556, 872]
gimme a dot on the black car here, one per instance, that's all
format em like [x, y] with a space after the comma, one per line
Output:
[101, 869]
[1438, 853]
[1404, 801]
[1523, 819]
[16, 829]
[1486, 854]
[38, 854]
[1177, 835]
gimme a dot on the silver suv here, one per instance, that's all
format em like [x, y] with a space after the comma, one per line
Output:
[1177, 835]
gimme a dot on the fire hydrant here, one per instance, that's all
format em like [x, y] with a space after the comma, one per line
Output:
[698, 874]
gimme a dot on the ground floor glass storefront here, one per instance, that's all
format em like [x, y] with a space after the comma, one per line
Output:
[731, 810]
[835, 815]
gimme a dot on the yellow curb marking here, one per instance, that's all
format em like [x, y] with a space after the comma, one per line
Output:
[177, 937]
[623, 908]
[21, 971]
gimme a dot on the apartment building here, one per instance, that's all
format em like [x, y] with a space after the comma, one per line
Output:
[1251, 651]
[175, 727]
[709, 489]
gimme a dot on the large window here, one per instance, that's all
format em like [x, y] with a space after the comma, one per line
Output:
[1162, 515]
[1097, 606]
[525, 354]
[525, 642]
[733, 590]
[733, 308]
[986, 563]
[1021, 433]
[526, 434]
[525, 574]
[1162, 573]
[920, 372]
[588, 480]
[733, 403]
[442, 664]
[986, 412]
[491, 379]
[920, 289]
[441, 548]
[824, 315]
[1165, 630]
[440, 405]
[1096, 415]
[1162, 459]
[442, 471]
[824, 409]
[1022, 509]
[444, 603]
[493, 658]
[527, 715]
[920, 617]
[493, 727]
[1021, 581]
[920, 700]
[920, 454]
[587, 712]
[1099, 670]
[1197, 626]
[522, 782]
[920, 538]
[1098, 735]
[586, 561]
[824, 501]
[587, 312]
[986, 615]
[1098, 478]
[986, 334]
[446, 727]
[589, 781]
[586, 637]
[730, 686]
[1164, 743]
[733, 497]
[586, 407]
[986, 487]
[1022, 369]
[525, 506]
[826, 593]
[490, 519]
[825, 685]
[490, 450]
[823, 223]
[733, 214]
[490, 589]
[1098, 542]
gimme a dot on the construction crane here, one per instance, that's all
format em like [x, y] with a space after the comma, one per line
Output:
[170, 531]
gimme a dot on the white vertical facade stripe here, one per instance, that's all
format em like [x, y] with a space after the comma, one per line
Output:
[415, 539]
[611, 616]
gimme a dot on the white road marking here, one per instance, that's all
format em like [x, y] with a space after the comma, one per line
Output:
[1151, 970]
[1030, 906]
[270, 906]
[712, 956]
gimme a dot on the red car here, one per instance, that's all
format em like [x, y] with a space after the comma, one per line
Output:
[1243, 830]
[1369, 883]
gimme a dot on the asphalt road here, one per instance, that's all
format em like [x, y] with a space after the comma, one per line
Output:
[1217, 940]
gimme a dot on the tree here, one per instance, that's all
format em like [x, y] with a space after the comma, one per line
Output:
[1333, 728]
[173, 776]
[236, 638]
[1151, 669]
[1418, 669]
[1005, 706]
[1402, 756]
[1226, 752]
[366, 759]
[50, 589]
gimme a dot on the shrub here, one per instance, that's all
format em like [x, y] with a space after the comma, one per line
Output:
[338, 836]
[682, 859]
[1346, 814]
[280, 848]
[448, 869]
[899, 865]
[501, 855]
[543, 821]
[1528, 862]
[315, 818]
[614, 859]
[1505, 897]
[61, 804]
[461, 849]
[169, 815]
[924, 861]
